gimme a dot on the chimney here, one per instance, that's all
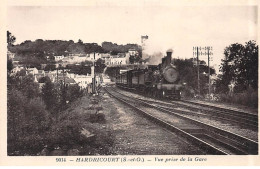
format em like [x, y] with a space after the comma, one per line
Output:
[168, 58]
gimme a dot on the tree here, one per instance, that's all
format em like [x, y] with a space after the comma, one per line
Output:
[50, 95]
[10, 39]
[44, 79]
[100, 66]
[80, 41]
[241, 66]
[74, 92]
[29, 88]
[9, 65]
[27, 121]
[189, 75]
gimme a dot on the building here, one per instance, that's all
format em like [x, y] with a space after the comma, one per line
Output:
[79, 58]
[32, 71]
[57, 58]
[63, 78]
[83, 80]
[132, 52]
[51, 75]
[43, 66]
[94, 56]
[119, 59]
[16, 69]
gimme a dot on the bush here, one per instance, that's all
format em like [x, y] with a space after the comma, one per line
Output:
[74, 92]
[50, 96]
[65, 133]
[28, 87]
[27, 123]
[246, 98]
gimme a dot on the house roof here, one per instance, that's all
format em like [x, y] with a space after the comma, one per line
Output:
[132, 50]
[67, 79]
[41, 71]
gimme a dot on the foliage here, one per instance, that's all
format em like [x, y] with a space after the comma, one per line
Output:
[50, 96]
[80, 41]
[100, 66]
[31, 60]
[189, 75]
[115, 48]
[10, 39]
[81, 69]
[9, 65]
[27, 121]
[29, 88]
[112, 72]
[50, 67]
[44, 79]
[134, 59]
[42, 48]
[74, 92]
[85, 67]
[240, 65]
[24, 83]
[248, 97]
[64, 133]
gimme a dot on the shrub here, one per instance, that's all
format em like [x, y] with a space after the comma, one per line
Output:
[74, 92]
[27, 123]
[50, 96]
[246, 98]
[65, 133]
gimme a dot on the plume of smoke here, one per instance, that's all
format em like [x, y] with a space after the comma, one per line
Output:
[152, 53]
[153, 59]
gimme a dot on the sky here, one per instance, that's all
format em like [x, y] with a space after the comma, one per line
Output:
[177, 27]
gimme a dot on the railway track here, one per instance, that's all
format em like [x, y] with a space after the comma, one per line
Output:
[210, 139]
[243, 119]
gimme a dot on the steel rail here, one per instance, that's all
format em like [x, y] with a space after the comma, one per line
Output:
[249, 146]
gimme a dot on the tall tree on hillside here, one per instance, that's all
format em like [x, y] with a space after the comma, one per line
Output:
[80, 41]
[241, 66]
[50, 96]
[10, 39]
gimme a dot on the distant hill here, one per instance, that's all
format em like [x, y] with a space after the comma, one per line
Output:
[59, 47]
[115, 48]
[35, 52]
[54, 47]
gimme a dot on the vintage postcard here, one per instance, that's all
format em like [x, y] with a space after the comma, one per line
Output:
[111, 82]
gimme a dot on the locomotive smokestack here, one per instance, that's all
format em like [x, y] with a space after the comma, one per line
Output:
[168, 57]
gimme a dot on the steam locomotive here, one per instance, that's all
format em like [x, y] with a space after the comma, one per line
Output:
[160, 81]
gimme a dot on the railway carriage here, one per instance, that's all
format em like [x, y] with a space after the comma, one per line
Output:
[156, 80]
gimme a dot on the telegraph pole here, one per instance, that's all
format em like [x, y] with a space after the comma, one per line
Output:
[209, 70]
[198, 67]
[207, 52]
[94, 78]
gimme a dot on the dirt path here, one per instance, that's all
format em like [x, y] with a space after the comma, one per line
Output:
[133, 134]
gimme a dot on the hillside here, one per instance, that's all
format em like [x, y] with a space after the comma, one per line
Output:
[33, 53]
